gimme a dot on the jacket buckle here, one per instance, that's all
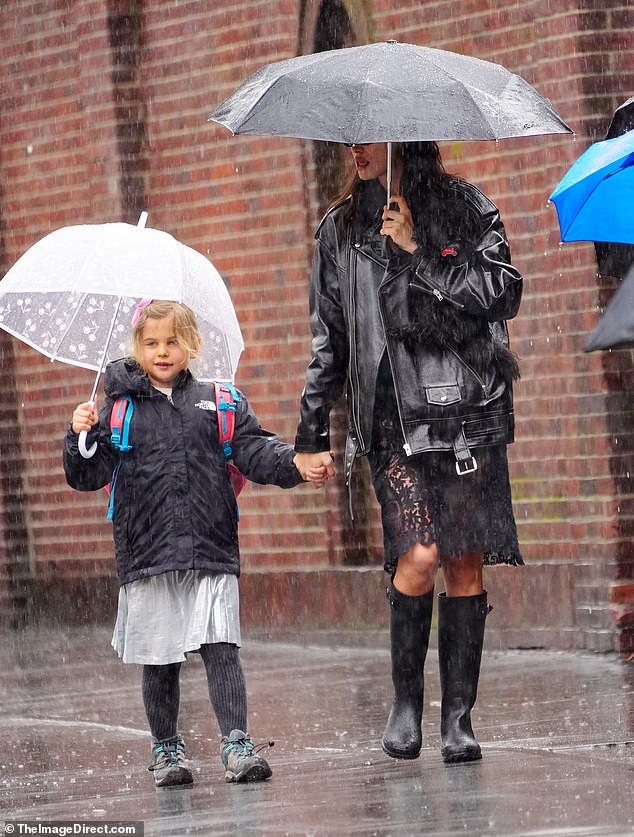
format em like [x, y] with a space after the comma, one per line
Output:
[465, 460]
[466, 466]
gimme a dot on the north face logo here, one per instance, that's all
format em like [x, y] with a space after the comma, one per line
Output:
[206, 405]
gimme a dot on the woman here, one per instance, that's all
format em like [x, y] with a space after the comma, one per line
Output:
[408, 307]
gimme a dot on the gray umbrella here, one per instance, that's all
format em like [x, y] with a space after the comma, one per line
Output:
[387, 92]
[615, 329]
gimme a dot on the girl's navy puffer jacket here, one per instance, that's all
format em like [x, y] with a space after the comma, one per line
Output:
[174, 507]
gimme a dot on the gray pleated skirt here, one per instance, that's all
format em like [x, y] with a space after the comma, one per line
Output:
[162, 618]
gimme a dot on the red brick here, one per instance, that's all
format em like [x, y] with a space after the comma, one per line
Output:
[251, 203]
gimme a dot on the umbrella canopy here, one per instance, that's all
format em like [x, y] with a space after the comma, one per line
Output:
[623, 119]
[73, 294]
[614, 259]
[387, 92]
[595, 198]
[615, 329]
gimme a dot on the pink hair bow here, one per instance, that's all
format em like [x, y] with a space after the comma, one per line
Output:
[139, 308]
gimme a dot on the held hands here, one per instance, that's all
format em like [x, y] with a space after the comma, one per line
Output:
[398, 224]
[84, 417]
[315, 468]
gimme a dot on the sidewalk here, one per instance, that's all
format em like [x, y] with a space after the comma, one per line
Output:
[557, 733]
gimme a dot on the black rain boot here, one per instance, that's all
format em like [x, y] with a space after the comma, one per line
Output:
[410, 622]
[460, 637]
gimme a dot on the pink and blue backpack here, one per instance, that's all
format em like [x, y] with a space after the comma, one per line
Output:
[227, 398]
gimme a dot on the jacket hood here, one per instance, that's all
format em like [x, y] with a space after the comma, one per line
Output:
[126, 377]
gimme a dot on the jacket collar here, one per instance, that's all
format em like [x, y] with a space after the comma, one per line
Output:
[125, 377]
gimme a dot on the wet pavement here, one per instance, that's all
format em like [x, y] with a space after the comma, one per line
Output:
[557, 733]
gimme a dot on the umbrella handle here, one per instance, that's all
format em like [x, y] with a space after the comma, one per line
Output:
[87, 453]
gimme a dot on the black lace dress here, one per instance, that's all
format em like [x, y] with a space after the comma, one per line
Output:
[423, 499]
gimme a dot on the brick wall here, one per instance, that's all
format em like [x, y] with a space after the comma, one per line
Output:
[104, 108]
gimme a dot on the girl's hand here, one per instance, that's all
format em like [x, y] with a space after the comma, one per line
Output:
[317, 477]
[315, 468]
[84, 417]
[398, 224]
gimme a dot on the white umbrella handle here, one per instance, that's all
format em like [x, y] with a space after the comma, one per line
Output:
[87, 453]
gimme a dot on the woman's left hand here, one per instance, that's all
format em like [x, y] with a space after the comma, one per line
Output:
[398, 224]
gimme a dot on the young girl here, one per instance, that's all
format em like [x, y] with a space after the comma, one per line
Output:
[175, 531]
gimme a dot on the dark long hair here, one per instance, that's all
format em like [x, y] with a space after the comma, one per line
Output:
[423, 171]
[426, 187]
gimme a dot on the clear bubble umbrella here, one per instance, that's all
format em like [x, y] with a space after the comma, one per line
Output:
[73, 294]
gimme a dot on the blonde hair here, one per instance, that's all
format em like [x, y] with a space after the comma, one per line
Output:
[185, 326]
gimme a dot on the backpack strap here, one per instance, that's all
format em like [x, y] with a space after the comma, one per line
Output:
[227, 397]
[120, 418]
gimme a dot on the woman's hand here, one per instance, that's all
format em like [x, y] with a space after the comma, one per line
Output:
[84, 417]
[315, 468]
[398, 224]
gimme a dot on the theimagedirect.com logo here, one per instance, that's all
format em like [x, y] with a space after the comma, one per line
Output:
[26, 828]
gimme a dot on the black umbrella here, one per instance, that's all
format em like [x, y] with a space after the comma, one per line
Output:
[615, 329]
[623, 119]
[387, 92]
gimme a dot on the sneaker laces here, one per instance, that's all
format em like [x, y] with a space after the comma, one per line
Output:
[167, 751]
[255, 748]
[246, 747]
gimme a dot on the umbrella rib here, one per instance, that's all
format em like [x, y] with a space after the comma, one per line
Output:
[364, 97]
[266, 89]
[106, 347]
[248, 112]
[468, 87]
[94, 248]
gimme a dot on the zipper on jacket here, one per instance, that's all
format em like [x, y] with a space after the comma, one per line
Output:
[429, 289]
[354, 374]
[406, 445]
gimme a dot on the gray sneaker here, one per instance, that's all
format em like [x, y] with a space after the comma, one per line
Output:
[241, 760]
[169, 765]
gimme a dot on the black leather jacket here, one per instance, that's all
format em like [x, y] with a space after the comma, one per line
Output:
[440, 316]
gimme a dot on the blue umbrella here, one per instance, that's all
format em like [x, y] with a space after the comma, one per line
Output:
[595, 198]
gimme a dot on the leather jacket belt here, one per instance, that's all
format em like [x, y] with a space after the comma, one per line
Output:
[465, 460]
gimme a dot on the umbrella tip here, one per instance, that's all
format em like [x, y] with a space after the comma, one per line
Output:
[142, 220]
